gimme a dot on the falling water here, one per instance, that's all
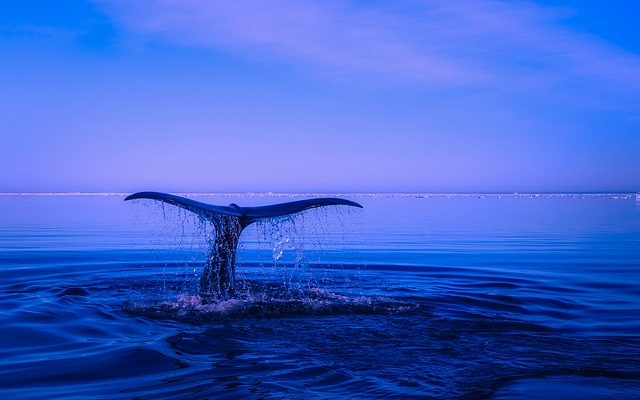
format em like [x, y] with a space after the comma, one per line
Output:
[273, 274]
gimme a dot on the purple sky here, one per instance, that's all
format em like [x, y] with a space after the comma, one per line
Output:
[283, 95]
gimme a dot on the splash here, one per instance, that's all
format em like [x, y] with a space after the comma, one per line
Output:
[218, 278]
[270, 301]
[283, 283]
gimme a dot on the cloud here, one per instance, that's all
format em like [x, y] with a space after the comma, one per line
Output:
[483, 43]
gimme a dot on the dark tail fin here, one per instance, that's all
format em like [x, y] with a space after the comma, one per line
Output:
[249, 213]
[217, 279]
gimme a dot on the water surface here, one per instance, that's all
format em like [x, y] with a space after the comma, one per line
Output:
[470, 297]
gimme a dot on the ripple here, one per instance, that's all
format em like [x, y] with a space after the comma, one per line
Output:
[270, 302]
[74, 291]
[557, 388]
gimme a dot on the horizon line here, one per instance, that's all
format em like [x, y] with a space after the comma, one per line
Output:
[373, 193]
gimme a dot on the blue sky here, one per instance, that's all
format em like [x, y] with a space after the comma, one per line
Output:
[347, 96]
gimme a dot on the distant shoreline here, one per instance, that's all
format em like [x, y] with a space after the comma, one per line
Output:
[614, 195]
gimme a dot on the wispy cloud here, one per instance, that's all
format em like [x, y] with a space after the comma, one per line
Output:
[434, 43]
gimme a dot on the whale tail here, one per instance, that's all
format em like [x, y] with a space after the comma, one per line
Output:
[217, 280]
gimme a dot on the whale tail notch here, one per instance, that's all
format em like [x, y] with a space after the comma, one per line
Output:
[217, 279]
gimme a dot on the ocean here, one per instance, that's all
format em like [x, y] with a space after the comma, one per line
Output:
[429, 296]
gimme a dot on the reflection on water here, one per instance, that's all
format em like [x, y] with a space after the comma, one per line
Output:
[436, 297]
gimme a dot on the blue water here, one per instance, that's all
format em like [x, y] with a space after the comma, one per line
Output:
[445, 297]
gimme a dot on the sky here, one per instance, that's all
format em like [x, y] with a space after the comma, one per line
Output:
[319, 96]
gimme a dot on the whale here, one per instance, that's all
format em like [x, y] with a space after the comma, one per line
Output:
[217, 280]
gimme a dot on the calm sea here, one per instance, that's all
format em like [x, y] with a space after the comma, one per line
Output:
[444, 297]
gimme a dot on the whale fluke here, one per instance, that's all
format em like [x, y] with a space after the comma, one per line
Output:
[217, 280]
[196, 207]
